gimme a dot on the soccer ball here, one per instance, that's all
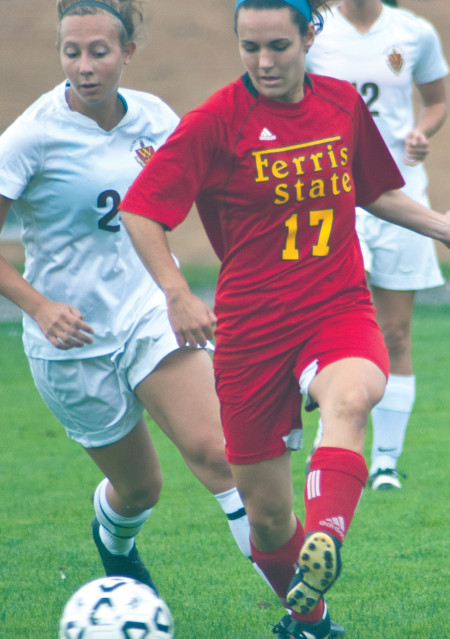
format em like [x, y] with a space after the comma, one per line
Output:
[116, 608]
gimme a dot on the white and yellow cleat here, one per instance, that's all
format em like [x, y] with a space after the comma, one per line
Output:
[319, 567]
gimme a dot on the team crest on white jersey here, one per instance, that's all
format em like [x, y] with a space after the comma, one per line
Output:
[267, 135]
[395, 60]
[143, 151]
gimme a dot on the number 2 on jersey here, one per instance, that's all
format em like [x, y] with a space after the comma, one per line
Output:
[104, 221]
[370, 92]
[323, 219]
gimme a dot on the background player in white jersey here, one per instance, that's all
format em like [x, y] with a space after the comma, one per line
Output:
[96, 331]
[384, 52]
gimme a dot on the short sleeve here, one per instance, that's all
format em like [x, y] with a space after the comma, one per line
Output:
[431, 64]
[20, 157]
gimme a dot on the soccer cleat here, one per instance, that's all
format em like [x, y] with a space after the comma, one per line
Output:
[385, 479]
[336, 630]
[130, 565]
[319, 567]
[289, 628]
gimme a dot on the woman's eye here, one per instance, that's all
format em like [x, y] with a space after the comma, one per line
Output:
[70, 53]
[280, 47]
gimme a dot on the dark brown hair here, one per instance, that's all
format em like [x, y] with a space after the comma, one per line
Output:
[297, 17]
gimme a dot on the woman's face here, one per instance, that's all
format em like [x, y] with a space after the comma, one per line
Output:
[92, 59]
[273, 52]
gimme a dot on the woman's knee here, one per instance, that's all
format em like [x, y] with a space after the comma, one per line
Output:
[140, 496]
[356, 402]
[397, 338]
[270, 525]
[207, 453]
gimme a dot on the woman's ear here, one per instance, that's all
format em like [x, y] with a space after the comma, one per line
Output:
[128, 52]
[309, 38]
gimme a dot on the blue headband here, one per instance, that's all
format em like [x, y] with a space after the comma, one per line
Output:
[99, 5]
[301, 5]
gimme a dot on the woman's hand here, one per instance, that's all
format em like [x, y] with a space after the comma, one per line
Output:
[192, 320]
[417, 147]
[63, 325]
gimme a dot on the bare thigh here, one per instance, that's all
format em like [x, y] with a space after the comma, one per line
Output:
[346, 392]
[180, 395]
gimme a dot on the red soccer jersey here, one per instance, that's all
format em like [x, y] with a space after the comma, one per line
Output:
[275, 185]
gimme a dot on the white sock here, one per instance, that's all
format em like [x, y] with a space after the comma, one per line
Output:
[232, 506]
[116, 532]
[390, 419]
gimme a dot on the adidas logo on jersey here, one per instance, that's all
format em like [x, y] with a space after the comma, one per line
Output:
[267, 135]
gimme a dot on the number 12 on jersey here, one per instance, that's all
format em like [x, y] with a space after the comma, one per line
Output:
[322, 219]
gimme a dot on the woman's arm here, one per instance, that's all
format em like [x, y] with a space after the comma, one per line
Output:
[396, 207]
[191, 319]
[61, 324]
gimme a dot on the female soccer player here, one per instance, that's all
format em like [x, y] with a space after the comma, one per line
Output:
[96, 331]
[276, 162]
[384, 52]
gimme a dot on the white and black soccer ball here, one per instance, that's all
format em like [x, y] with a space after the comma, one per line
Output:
[116, 608]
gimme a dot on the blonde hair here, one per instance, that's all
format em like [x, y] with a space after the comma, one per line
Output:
[127, 13]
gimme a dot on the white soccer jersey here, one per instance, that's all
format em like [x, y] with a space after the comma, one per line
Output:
[400, 50]
[68, 176]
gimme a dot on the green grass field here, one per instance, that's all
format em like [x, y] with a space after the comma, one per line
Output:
[395, 580]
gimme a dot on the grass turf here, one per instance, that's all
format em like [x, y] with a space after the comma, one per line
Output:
[394, 582]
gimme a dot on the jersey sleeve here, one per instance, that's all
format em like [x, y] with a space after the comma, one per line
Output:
[431, 64]
[167, 187]
[20, 157]
[373, 167]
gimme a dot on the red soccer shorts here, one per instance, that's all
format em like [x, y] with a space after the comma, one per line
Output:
[261, 403]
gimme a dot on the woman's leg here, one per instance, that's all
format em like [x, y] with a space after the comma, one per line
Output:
[276, 534]
[180, 395]
[391, 415]
[133, 470]
[124, 499]
[345, 391]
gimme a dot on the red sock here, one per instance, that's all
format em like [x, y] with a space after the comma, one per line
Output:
[333, 488]
[279, 567]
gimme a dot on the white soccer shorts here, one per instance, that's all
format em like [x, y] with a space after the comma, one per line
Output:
[93, 398]
[395, 258]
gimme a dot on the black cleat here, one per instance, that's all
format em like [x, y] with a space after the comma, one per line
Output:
[289, 628]
[130, 565]
[320, 566]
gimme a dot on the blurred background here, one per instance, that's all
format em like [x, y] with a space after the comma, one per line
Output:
[188, 50]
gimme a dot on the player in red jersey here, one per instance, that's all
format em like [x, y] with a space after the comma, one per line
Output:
[276, 162]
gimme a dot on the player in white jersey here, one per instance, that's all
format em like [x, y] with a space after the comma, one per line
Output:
[385, 51]
[96, 330]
